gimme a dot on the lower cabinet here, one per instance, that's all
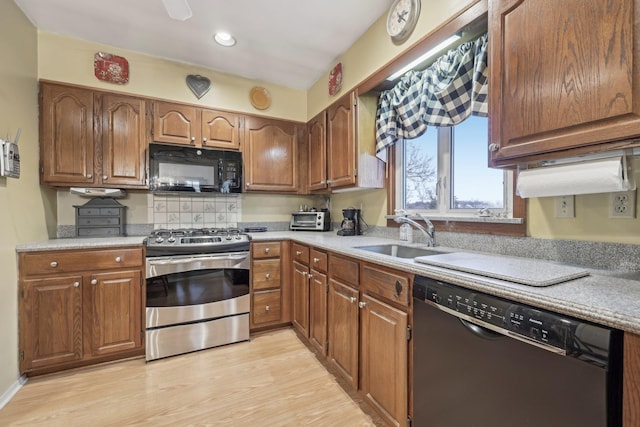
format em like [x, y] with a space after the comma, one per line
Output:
[631, 384]
[70, 316]
[344, 330]
[270, 295]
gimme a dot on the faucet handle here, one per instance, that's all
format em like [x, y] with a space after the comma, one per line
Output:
[400, 212]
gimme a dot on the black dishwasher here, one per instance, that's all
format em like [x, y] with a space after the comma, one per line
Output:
[485, 361]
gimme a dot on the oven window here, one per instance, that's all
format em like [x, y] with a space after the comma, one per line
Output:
[196, 287]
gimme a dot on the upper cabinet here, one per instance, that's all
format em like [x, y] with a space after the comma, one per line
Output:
[90, 138]
[189, 125]
[566, 84]
[270, 153]
[347, 128]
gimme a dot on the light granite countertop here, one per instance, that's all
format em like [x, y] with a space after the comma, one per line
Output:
[605, 297]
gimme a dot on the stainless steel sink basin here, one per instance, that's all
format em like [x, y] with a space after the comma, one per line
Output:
[400, 251]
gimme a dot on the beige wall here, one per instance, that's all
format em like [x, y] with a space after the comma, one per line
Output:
[70, 60]
[26, 209]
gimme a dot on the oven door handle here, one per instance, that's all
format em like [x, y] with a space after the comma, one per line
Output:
[176, 261]
[169, 265]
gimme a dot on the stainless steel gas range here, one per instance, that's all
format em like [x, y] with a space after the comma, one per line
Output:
[197, 290]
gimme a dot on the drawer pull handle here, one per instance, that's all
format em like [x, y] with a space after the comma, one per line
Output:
[53, 264]
[94, 282]
[267, 308]
[362, 304]
[352, 299]
[298, 253]
[316, 260]
[267, 276]
[398, 288]
[267, 250]
[76, 284]
[118, 259]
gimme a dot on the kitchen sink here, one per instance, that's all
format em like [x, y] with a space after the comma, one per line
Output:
[400, 251]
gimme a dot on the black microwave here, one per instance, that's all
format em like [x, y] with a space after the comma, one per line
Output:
[195, 170]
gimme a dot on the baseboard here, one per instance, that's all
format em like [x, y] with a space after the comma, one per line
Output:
[11, 391]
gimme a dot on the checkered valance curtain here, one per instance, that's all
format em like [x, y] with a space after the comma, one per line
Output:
[444, 94]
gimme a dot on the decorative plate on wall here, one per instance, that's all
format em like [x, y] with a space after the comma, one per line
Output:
[335, 79]
[260, 98]
[198, 84]
[111, 68]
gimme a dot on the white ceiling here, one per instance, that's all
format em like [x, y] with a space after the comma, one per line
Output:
[285, 42]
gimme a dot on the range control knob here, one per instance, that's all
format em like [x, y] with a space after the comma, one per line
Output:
[228, 237]
[171, 239]
[238, 237]
[159, 239]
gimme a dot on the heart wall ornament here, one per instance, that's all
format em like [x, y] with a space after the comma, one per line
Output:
[198, 84]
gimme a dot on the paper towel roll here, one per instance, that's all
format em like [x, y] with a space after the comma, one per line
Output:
[599, 176]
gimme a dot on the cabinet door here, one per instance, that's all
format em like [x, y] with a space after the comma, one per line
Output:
[343, 330]
[51, 322]
[341, 142]
[124, 142]
[318, 290]
[301, 298]
[570, 80]
[66, 135]
[270, 155]
[220, 130]
[384, 359]
[114, 312]
[175, 123]
[317, 134]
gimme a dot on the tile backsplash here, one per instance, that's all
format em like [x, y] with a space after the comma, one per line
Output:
[169, 211]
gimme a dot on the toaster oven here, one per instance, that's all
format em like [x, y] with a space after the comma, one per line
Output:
[310, 221]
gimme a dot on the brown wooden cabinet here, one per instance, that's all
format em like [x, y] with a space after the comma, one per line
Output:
[300, 307]
[631, 387]
[270, 294]
[567, 85]
[183, 124]
[350, 134]
[73, 315]
[317, 152]
[318, 296]
[270, 149]
[343, 320]
[91, 138]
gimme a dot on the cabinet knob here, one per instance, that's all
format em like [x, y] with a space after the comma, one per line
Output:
[310, 276]
[76, 284]
[352, 299]
[362, 304]
[493, 147]
[247, 184]
[94, 281]
[90, 175]
[316, 260]
[193, 139]
[298, 253]
[118, 259]
[104, 177]
[267, 250]
[204, 139]
[267, 276]
[304, 273]
[267, 308]
[53, 264]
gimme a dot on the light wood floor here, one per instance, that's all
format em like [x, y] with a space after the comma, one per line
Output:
[273, 380]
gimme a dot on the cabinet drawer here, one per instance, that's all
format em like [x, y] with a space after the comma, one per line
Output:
[266, 274]
[266, 249]
[98, 220]
[318, 260]
[389, 284]
[344, 270]
[98, 211]
[98, 231]
[266, 307]
[300, 253]
[67, 261]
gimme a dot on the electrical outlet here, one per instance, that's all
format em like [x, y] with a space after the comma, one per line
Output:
[565, 207]
[622, 204]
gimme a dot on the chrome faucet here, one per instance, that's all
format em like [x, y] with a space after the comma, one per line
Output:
[429, 232]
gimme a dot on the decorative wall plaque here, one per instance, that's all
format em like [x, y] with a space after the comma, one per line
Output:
[198, 84]
[335, 79]
[111, 68]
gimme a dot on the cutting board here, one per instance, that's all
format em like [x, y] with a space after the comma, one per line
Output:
[518, 270]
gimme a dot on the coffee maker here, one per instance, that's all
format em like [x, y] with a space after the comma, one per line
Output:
[350, 225]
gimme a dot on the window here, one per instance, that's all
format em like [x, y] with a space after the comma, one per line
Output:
[444, 173]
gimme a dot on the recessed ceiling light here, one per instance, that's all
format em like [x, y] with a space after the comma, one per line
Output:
[178, 9]
[224, 39]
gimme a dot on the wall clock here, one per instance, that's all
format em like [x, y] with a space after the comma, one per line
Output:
[402, 19]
